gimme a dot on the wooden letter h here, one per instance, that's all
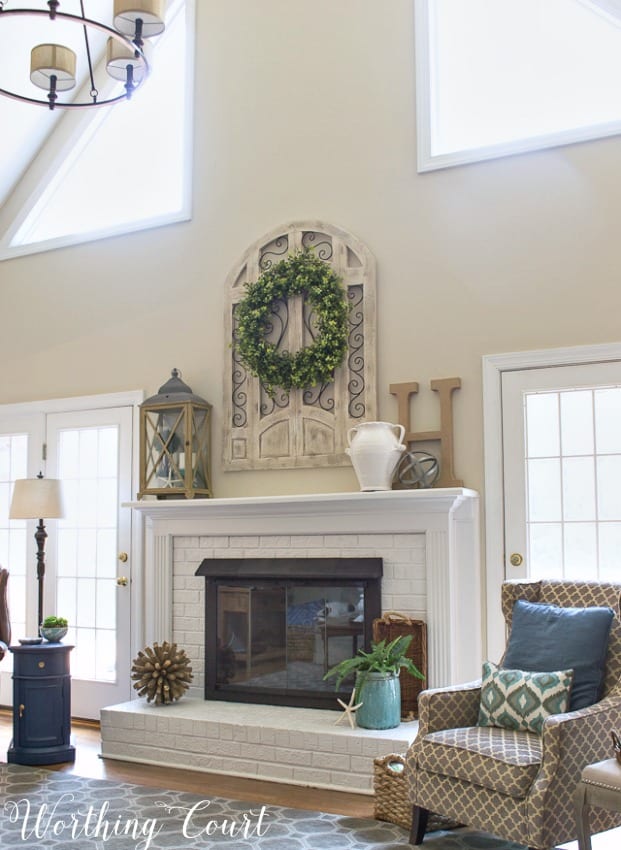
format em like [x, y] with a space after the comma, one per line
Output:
[445, 388]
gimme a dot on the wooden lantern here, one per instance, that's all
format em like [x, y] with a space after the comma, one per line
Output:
[175, 443]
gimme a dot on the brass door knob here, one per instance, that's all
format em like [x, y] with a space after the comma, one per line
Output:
[122, 581]
[123, 557]
[516, 560]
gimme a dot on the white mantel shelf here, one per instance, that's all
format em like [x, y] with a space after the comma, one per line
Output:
[448, 518]
[394, 510]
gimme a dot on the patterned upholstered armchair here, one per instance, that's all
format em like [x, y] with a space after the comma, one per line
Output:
[516, 785]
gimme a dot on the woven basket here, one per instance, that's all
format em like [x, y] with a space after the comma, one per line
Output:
[392, 625]
[391, 798]
[391, 795]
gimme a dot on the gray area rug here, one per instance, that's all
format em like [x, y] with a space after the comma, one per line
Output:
[44, 809]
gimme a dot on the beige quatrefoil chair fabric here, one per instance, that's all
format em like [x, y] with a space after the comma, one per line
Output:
[517, 785]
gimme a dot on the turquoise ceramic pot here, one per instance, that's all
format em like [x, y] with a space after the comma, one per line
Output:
[381, 701]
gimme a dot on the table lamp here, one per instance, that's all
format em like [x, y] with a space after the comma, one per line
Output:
[38, 498]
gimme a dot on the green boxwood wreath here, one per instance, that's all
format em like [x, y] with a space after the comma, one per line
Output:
[302, 273]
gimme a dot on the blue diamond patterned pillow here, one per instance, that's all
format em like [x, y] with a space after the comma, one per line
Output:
[514, 699]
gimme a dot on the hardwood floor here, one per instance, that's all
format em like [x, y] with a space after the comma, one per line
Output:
[88, 763]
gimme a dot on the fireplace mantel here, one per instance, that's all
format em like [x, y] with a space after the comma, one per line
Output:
[447, 517]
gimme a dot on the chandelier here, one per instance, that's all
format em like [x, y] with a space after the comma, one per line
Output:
[57, 68]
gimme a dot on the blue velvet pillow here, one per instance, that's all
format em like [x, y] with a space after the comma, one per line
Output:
[546, 637]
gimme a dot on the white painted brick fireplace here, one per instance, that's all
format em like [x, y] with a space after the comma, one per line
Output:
[429, 543]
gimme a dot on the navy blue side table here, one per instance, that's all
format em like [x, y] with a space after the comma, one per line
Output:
[41, 705]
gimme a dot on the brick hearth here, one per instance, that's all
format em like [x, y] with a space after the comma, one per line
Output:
[299, 746]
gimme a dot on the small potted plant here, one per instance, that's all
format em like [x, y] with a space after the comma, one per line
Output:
[54, 628]
[377, 686]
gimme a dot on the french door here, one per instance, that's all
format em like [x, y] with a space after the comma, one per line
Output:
[89, 565]
[552, 426]
[88, 575]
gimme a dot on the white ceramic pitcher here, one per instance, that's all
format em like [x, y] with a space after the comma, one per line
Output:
[375, 449]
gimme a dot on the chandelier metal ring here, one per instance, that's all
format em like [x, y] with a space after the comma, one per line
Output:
[126, 41]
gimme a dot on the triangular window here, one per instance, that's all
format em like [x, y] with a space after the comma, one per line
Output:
[496, 77]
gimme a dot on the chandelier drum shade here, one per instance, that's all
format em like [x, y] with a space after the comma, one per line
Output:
[115, 46]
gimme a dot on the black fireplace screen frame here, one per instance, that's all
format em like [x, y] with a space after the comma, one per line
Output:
[280, 572]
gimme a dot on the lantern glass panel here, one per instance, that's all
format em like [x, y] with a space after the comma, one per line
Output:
[164, 442]
[201, 448]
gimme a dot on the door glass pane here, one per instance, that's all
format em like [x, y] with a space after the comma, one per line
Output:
[87, 545]
[608, 477]
[580, 548]
[542, 431]
[577, 422]
[13, 533]
[573, 510]
[609, 548]
[544, 477]
[578, 488]
[608, 419]
[545, 543]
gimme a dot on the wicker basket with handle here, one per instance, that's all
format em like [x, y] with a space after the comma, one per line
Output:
[391, 802]
[392, 625]
[391, 796]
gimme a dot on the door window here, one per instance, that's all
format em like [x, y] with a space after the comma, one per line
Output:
[572, 468]
[87, 548]
[13, 537]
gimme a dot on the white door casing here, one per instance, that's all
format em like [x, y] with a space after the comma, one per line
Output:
[496, 369]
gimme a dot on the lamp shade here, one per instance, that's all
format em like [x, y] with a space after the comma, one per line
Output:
[118, 57]
[37, 498]
[48, 60]
[151, 14]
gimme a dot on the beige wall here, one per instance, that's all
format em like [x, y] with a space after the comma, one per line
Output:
[306, 110]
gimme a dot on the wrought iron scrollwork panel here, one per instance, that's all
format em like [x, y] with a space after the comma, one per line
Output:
[273, 252]
[269, 404]
[320, 242]
[239, 383]
[276, 332]
[356, 354]
[321, 396]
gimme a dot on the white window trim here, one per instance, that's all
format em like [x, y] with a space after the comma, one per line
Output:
[493, 367]
[426, 161]
[68, 137]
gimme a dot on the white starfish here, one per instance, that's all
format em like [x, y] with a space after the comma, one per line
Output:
[350, 708]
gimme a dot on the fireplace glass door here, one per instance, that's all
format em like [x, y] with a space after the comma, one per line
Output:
[286, 637]
[272, 639]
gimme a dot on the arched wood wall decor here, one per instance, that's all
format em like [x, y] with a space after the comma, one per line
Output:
[305, 427]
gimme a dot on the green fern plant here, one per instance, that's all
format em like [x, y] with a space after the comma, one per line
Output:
[382, 658]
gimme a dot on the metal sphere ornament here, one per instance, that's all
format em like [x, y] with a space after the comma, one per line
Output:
[418, 469]
[162, 673]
